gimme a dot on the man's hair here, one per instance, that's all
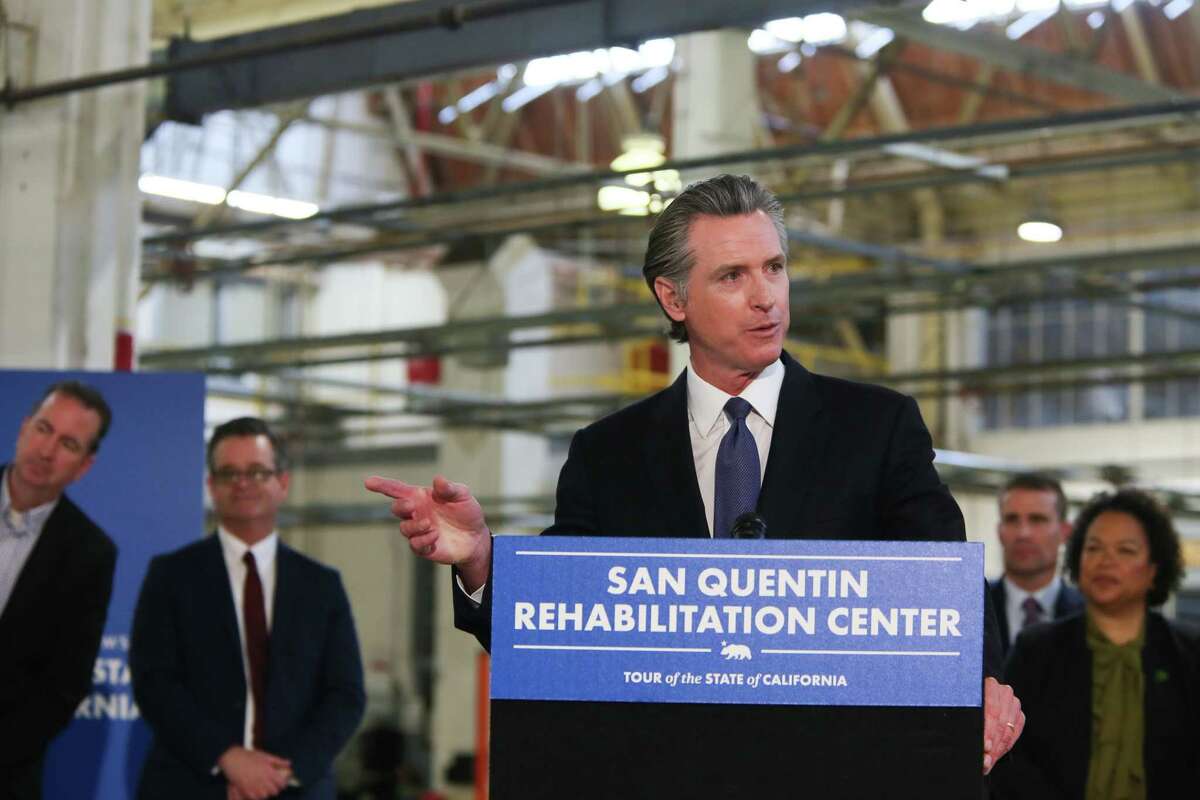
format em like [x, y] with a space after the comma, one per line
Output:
[89, 397]
[669, 254]
[1165, 551]
[1038, 482]
[248, 426]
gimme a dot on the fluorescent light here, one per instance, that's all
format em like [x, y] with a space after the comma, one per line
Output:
[639, 152]
[1176, 7]
[179, 189]
[791, 59]
[1027, 22]
[1026, 6]
[657, 52]
[190, 191]
[614, 63]
[525, 94]
[873, 42]
[649, 79]
[275, 206]
[589, 90]
[824, 28]
[765, 43]
[1120, 5]
[789, 29]
[624, 199]
[1040, 231]
[947, 159]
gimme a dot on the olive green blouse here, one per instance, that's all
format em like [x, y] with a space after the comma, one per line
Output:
[1117, 769]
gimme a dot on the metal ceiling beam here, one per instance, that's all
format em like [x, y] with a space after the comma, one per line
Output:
[464, 38]
[980, 133]
[988, 47]
[814, 304]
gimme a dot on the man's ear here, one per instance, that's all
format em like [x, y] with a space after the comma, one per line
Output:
[285, 481]
[669, 298]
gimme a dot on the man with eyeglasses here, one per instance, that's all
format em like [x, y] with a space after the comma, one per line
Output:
[244, 658]
[56, 574]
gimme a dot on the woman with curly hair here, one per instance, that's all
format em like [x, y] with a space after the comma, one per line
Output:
[1112, 695]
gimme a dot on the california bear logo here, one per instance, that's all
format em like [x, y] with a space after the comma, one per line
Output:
[736, 652]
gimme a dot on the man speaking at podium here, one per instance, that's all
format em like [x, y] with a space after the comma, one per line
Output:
[745, 428]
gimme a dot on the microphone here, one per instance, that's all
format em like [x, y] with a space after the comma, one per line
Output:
[750, 525]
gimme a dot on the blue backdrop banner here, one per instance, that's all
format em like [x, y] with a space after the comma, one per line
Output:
[779, 622]
[146, 491]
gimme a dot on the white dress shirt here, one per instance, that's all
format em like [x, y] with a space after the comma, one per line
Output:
[234, 549]
[1014, 597]
[19, 532]
[708, 423]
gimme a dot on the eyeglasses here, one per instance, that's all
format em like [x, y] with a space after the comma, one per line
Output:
[228, 477]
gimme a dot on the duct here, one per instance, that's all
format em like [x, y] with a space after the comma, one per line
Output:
[454, 36]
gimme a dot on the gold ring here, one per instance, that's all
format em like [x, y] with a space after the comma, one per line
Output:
[1009, 724]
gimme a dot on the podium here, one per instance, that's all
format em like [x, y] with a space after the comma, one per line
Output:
[669, 668]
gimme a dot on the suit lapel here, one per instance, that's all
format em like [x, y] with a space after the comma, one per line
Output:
[1000, 604]
[285, 603]
[670, 459]
[215, 578]
[284, 613]
[798, 444]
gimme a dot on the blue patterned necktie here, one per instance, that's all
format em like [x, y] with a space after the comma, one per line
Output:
[737, 479]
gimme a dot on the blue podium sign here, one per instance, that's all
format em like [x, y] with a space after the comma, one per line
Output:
[775, 622]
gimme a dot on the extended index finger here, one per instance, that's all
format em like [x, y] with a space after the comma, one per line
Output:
[388, 486]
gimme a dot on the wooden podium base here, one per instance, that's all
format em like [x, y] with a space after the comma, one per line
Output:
[583, 750]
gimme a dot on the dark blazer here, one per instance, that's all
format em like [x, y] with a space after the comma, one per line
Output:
[1069, 602]
[1050, 669]
[186, 662]
[847, 461]
[49, 635]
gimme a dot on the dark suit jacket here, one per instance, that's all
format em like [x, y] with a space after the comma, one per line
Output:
[1050, 669]
[847, 461]
[49, 634]
[186, 662]
[1068, 602]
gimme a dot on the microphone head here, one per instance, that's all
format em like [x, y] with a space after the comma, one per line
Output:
[750, 525]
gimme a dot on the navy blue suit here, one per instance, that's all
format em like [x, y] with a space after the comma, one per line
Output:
[186, 662]
[49, 634]
[847, 461]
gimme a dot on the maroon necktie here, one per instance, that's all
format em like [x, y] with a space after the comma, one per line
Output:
[254, 615]
[1033, 612]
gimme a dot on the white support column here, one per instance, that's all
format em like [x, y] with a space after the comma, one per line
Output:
[517, 280]
[69, 204]
[715, 101]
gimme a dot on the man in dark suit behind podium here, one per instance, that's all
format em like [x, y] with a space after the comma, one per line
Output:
[1033, 526]
[244, 658]
[746, 428]
[56, 573]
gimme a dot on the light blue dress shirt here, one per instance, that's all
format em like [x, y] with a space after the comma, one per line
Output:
[19, 532]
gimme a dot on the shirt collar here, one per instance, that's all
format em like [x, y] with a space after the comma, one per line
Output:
[706, 402]
[22, 522]
[1046, 596]
[235, 549]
